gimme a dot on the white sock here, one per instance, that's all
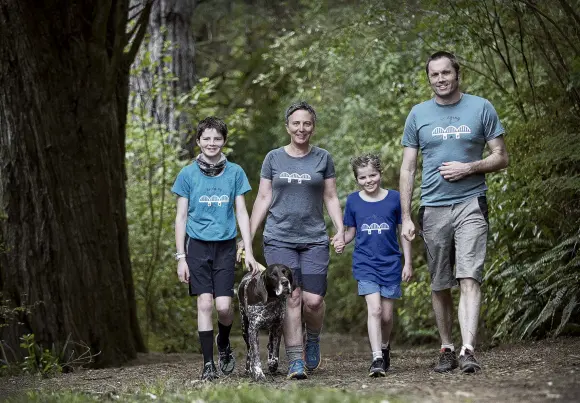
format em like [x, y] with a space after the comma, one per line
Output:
[449, 346]
[377, 354]
[466, 347]
[384, 345]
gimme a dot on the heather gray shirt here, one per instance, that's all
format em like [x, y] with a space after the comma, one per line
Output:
[296, 214]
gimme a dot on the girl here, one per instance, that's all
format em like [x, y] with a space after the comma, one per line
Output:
[372, 216]
[205, 232]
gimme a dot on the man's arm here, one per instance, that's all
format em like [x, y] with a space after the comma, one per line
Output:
[496, 160]
[406, 182]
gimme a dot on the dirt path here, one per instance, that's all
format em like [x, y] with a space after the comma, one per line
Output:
[527, 372]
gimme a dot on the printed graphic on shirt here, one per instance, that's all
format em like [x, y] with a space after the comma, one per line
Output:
[294, 176]
[214, 199]
[375, 227]
[445, 132]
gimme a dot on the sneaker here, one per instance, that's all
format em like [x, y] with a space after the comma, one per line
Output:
[386, 357]
[447, 361]
[467, 363]
[377, 368]
[296, 370]
[312, 355]
[209, 372]
[226, 360]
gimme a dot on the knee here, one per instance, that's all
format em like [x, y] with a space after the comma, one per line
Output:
[469, 286]
[314, 302]
[223, 309]
[204, 306]
[375, 311]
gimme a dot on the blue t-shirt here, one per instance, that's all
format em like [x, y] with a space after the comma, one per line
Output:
[210, 214]
[376, 255]
[445, 133]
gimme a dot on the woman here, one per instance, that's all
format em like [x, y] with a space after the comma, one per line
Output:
[297, 181]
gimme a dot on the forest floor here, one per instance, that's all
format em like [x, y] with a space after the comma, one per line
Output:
[543, 371]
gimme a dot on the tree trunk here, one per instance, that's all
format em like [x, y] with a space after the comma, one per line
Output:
[63, 102]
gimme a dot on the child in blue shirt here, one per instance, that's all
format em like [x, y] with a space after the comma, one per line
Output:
[373, 216]
[205, 238]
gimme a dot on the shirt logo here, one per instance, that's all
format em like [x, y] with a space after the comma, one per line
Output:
[299, 178]
[219, 200]
[458, 131]
[375, 227]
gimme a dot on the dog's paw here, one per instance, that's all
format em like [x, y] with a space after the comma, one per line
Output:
[273, 365]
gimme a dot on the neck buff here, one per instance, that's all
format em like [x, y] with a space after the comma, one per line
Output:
[211, 169]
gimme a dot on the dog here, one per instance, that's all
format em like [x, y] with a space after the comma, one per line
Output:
[263, 305]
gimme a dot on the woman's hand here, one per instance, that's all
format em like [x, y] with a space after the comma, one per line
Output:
[407, 273]
[183, 271]
[338, 242]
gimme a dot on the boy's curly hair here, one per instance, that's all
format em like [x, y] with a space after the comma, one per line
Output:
[365, 160]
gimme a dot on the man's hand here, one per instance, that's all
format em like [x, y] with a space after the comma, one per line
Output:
[407, 273]
[338, 242]
[408, 229]
[454, 170]
[183, 271]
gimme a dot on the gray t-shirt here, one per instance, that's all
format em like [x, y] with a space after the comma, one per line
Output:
[447, 133]
[296, 214]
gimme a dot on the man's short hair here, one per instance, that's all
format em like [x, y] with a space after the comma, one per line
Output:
[301, 106]
[211, 122]
[439, 55]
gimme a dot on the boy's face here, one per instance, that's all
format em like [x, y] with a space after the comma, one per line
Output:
[368, 178]
[211, 143]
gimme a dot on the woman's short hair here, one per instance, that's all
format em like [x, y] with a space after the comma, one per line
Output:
[296, 106]
[365, 160]
[211, 122]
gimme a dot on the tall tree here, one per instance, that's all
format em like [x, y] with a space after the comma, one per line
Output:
[64, 74]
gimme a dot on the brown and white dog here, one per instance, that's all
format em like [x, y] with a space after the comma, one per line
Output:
[263, 305]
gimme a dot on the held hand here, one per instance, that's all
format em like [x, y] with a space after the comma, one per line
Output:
[408, 229]
[338, 242]
[454, 170]
[240, 251]
[252, 265]
[407, 273]
[183, 271]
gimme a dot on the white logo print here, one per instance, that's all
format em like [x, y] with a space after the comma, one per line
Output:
[439, 131]
[375, 227]
[214, 199]
[299, 178]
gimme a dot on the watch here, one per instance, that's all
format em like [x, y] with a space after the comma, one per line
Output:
[179, 255]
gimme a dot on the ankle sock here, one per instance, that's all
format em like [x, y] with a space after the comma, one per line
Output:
[449, 346]
[312, 335]
[223, 338]
[466, 347]
[294, 352]
[377, 354]
[206, 341]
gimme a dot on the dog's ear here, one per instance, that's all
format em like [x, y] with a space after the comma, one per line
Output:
[261, 287]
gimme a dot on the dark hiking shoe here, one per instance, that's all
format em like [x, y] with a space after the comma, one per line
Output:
[447, 361]
[386, 358]
[377, 368]
[226, 360]
[209, 372]
[468, 364]
[312, 355]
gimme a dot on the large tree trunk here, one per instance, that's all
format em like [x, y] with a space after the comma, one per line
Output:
[63, 94]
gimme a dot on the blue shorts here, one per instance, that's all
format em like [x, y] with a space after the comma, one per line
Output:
[308, 261]
[366, 287]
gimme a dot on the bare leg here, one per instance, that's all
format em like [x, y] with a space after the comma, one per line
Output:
[293, 320]
[225, 311]
[469, 304]
[204, 312]
[314, 309]
[443, 307]
[374, 320]
[388, 306]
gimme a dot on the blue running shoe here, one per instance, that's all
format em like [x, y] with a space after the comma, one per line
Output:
[312, 354]
[296, 370]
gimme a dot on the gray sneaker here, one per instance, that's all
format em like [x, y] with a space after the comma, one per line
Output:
[209, 372]
[226, 360]
[447, 361]
[468, 364]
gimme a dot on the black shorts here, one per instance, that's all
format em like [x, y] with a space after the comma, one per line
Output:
[211, 266]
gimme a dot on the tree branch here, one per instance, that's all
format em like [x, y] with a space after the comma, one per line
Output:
[137, 38]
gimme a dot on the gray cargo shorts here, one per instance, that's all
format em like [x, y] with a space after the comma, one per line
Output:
[455, 236]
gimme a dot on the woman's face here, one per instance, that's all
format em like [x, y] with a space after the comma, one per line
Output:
[211, 143]
[368, 178]
[300, 127]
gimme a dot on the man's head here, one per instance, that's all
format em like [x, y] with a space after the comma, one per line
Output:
[211, 122]
[442, 71]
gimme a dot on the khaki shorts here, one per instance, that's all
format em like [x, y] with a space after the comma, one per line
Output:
[455, 236]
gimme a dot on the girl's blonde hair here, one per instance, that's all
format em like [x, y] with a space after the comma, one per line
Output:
[365, 160]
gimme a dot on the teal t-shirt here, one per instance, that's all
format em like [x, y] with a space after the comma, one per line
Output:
[445, 133]
[211, 208]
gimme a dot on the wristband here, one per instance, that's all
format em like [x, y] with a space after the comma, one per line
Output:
[179, 255]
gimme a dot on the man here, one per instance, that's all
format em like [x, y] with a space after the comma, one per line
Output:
[451, 131]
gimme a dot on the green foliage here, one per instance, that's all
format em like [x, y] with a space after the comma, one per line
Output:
[38, 360]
